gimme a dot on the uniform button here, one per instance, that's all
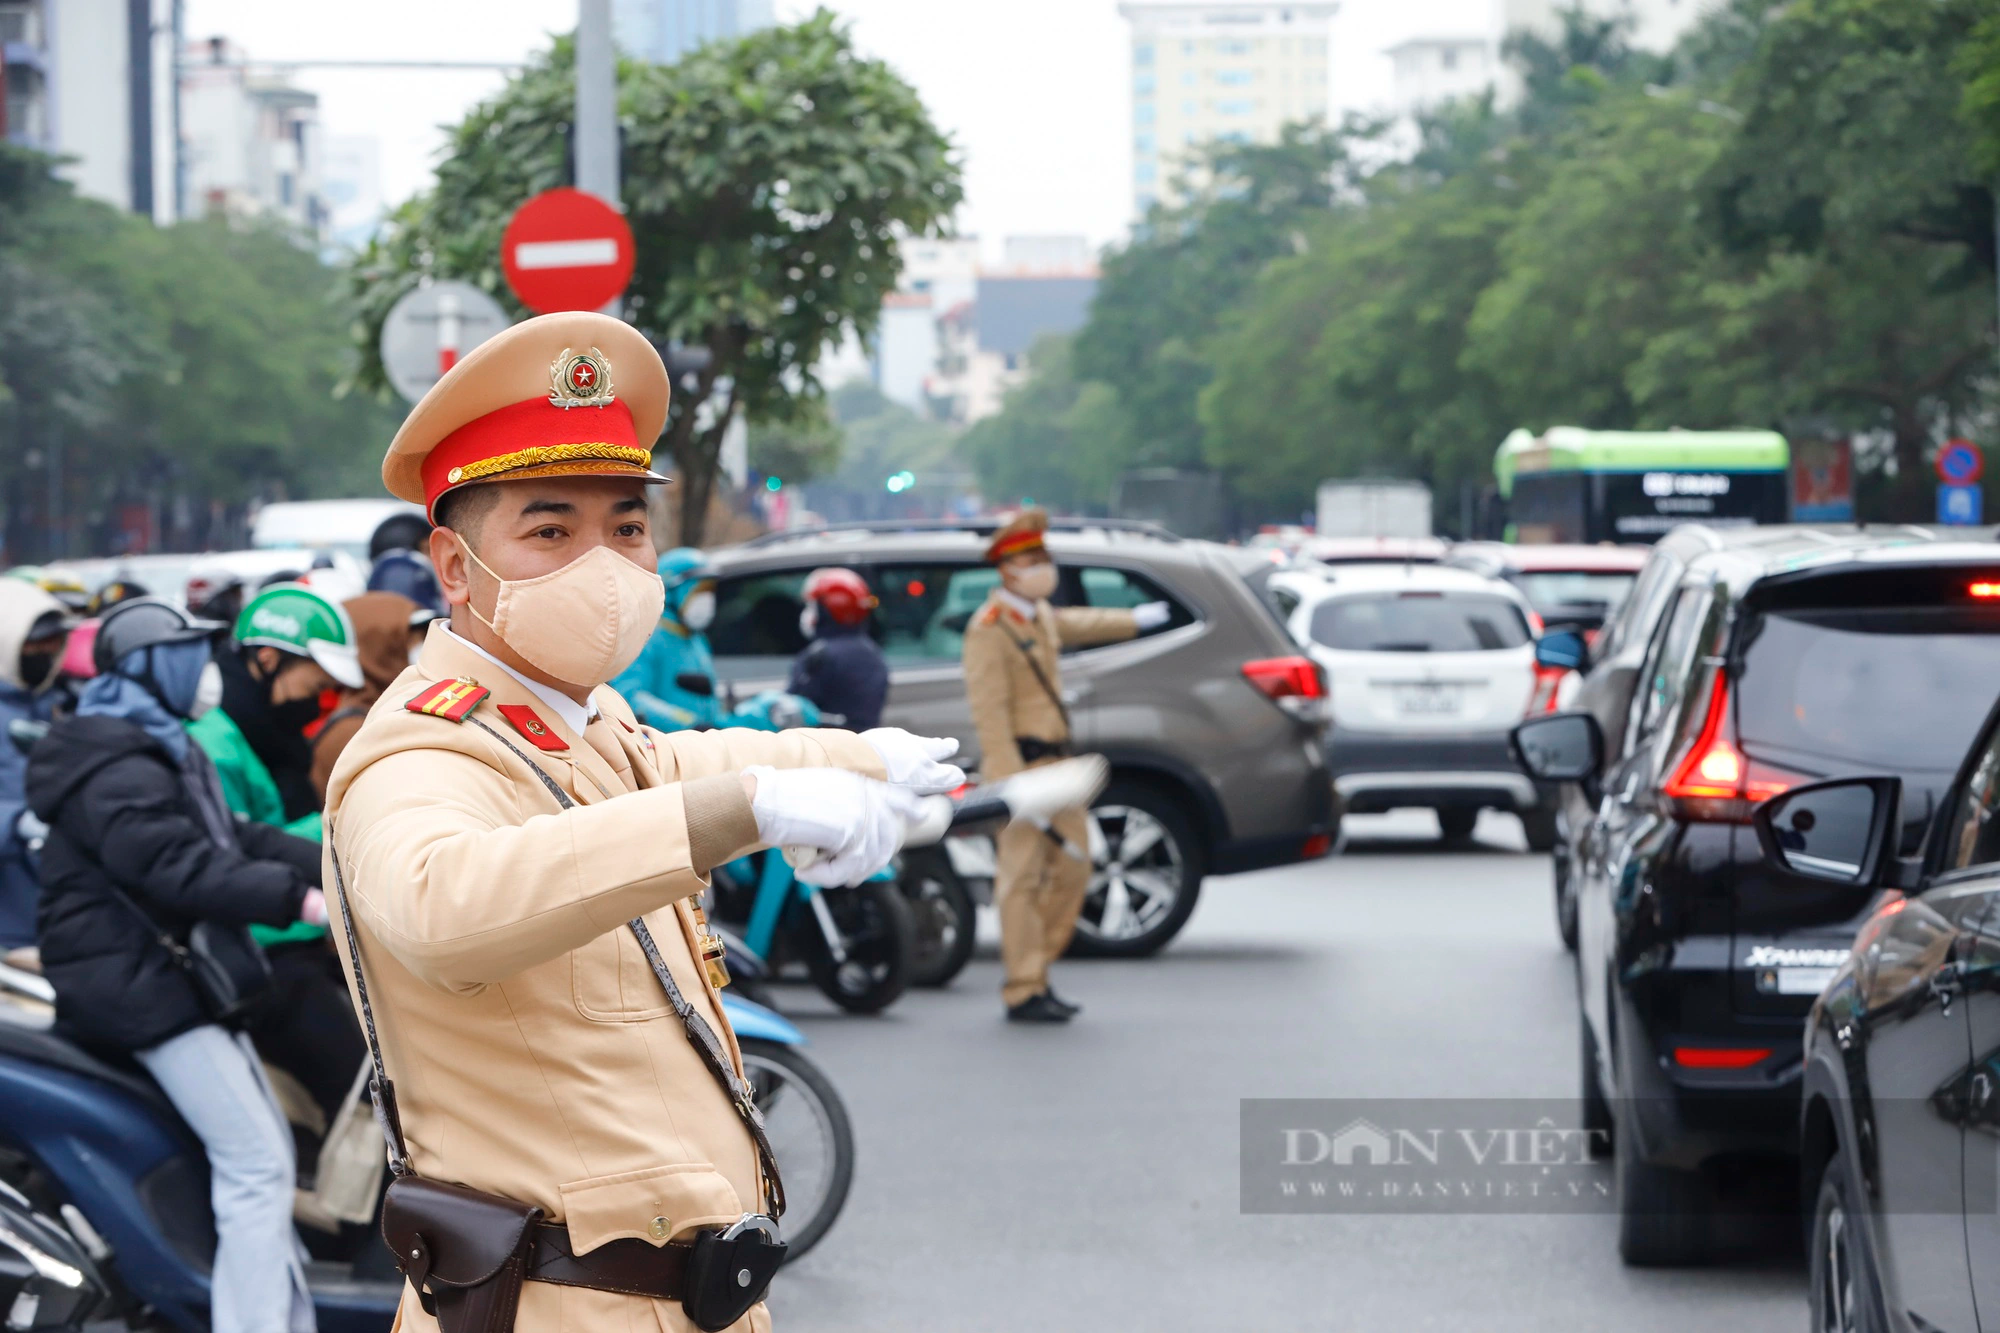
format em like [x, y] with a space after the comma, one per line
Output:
[661, 1228]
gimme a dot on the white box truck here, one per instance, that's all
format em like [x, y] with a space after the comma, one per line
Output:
[1374, 509]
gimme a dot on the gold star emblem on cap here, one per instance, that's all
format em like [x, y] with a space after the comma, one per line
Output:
[580, 379]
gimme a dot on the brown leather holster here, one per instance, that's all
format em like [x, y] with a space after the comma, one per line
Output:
[464, 1251]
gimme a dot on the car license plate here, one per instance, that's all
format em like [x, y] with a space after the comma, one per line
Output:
[1429, 699]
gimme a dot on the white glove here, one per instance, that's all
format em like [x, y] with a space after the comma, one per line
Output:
[30, 830]
[855, 823]
[1151, 615]
[917, 762]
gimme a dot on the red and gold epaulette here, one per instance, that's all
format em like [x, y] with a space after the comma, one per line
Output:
[449, 699]
[988, 614]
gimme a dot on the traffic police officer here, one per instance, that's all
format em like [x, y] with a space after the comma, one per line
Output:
[535, 1048]
[1014, 684]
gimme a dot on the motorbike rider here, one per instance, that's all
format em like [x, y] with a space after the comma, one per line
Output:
[398, 564]
[141, 849]
[33, 626]
[676, 657]
[290, 645]
[842, 669]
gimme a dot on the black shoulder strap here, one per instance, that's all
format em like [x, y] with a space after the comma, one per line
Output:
[380, 1090]
[1048, 687]
[700, 1035]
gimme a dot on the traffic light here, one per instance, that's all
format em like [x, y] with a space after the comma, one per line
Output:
[774, 483]
[901, 482]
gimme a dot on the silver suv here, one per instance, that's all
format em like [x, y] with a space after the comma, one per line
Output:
[1214, 725]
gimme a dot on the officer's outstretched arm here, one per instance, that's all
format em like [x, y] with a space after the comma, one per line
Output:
[468, 875]
[1084, 626]
[694, 754]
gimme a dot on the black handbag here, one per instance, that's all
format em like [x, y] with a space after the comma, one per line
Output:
[226, 964]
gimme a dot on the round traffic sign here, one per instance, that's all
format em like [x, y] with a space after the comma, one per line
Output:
[431, 329]
[1960, 462]
[566, 250]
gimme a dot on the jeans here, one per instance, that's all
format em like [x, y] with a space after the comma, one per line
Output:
[214, 1080]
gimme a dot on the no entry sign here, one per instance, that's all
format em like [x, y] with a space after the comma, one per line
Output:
[566, 250]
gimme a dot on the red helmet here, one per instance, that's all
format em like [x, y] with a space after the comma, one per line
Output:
[843, 593]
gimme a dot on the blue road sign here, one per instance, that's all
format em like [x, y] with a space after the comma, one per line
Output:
[1959, 463]
[1960, 505]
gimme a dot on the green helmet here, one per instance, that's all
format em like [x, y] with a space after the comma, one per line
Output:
[294, 619]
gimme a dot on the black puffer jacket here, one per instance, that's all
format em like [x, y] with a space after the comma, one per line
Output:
[120, 812]
[843, 672]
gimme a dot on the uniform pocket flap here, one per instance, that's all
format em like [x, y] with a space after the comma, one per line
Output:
[653, 1204]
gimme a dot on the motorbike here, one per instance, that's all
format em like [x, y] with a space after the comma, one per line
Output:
[104, 1206]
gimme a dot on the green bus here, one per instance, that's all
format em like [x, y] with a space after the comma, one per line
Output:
[1574, 485]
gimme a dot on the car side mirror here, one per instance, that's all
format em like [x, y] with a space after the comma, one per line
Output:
[1838, 832]
[695, 683]
[1562, 650]
[1560, 747]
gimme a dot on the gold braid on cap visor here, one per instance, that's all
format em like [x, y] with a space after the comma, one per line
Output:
[552, 453]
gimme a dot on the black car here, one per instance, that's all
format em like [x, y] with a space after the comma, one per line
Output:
[1776, 663]
[1900, 1128]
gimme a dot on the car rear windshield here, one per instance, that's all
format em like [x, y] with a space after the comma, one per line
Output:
[1558, 592]
[1419, 622]
[1901, 688]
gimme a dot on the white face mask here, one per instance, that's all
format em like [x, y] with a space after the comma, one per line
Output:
[699, 612]
[207, 691]
[583, 623]
[809, 620]
[1037, 582]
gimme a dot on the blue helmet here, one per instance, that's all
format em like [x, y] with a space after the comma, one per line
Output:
[410, 574]
[684, 570]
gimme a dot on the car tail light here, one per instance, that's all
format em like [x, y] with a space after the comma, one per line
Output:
[1295, 684]
[1720, 1057]
[1318, 845]
[1548, 680]
[1715, 781]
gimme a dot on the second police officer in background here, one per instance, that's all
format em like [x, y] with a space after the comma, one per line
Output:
[1013, 682]
[672, 685]
[518, 862]
[842, 670]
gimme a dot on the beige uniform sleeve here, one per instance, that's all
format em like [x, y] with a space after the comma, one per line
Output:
[466, 872]
[1087, 626]
[991, 699]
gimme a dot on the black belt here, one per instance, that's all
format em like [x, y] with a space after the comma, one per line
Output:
[1033, 751]
[716, 1277]
[628, 1265]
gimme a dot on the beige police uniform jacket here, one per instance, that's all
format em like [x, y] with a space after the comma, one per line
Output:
[1006, 698]
[533, 1049]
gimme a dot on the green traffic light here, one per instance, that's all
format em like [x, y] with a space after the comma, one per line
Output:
[774, 483]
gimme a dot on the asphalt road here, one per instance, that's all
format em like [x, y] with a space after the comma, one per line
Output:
[1085, 1178]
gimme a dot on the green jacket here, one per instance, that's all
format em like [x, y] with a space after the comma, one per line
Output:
[247, 786]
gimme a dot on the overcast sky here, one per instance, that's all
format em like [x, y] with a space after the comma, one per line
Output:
[1033, 91]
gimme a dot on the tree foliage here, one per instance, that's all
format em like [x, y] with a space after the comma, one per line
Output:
[179, 369]
[1786, 222]
[767, 181]
[1056, 439]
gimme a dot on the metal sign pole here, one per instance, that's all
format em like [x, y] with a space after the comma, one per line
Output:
[596, 133]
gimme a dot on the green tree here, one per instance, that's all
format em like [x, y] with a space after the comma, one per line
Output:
[767, 181]
[1163, 296]
[176, 368]
[1049, 440]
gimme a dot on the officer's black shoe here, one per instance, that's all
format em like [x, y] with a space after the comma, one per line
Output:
[1059, 1002]
[1037, 1009]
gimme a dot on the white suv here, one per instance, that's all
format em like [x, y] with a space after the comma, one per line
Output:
[1429, 667]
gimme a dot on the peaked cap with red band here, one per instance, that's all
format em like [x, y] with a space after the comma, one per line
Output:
[576, 394]
[1023, 532]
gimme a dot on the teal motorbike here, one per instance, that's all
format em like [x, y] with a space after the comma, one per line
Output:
[856, 943]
